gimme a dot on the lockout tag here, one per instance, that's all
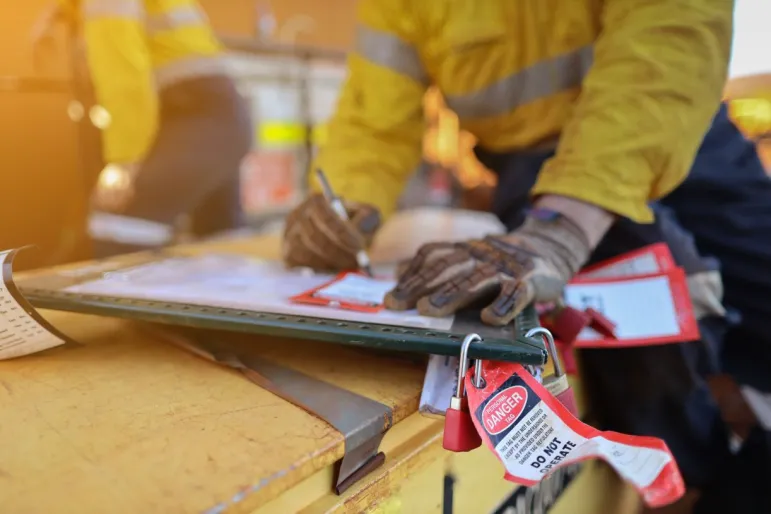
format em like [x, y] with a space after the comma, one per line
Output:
[533, 434]
[350, 291]
[648, 260]
[646, 309]
[441, 381]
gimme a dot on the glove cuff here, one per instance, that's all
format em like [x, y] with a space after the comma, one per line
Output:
[557, 239]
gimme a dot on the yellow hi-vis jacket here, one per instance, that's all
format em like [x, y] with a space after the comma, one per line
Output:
[627, 87]
[136, 48]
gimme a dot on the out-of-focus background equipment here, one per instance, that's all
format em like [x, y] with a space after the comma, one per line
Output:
[289, 59]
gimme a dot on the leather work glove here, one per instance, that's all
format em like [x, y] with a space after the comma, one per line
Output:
[533, 263]
[317, 238]
[114, 187]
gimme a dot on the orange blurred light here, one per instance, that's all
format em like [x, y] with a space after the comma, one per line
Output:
[114, 176]
[753, 115]
[445, 144]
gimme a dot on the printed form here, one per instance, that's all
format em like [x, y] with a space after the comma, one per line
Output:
[239, 282]
[533, 434]
[542, 440]
[20, 333]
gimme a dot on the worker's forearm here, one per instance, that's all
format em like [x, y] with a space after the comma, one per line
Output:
[594, 221]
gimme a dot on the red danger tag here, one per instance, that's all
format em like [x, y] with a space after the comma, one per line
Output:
[533, 434]
[645, 309]
[655, 258]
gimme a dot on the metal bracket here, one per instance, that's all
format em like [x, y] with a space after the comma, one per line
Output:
[362, 421]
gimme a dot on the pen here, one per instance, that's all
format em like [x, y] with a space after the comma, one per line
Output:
[362, 259]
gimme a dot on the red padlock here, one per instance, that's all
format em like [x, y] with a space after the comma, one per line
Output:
[569, 322]
[601, 324]
[557, 384]
[460, 434]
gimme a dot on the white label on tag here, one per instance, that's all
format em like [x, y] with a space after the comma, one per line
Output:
[20, 333]
[641, 308]
[541, 441]
[760, 403]
[357, 289]
[439, 385]
[645, 264]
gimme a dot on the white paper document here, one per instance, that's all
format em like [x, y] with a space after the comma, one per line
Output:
[20, 333]
[238, 282]
[439, 385]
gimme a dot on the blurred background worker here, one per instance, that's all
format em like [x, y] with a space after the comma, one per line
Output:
[175, 129]
[587, 112]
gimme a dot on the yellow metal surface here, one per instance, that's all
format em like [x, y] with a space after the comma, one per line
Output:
[411, 482]
[392, 505]
[126, 423]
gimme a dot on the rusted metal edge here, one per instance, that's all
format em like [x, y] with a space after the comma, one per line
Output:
[362, 421]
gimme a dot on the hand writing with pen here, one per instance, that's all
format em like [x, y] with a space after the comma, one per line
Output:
[530, 264]
[316, 237]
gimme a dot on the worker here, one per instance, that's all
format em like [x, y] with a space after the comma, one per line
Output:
[587, 112]
[175, 129]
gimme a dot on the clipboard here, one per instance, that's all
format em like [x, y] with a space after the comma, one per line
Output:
[70, 289]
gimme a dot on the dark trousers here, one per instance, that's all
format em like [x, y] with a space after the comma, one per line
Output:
[723, 210]
[193, 166]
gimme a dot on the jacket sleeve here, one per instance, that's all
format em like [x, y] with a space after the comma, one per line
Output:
[657, 80]
[121, 71]
[374, 139]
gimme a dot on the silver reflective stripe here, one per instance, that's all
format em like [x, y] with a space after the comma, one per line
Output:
[540, 80]
[192, 67]
[133, 9]
[104, 226]
[184, 16]
[391, 52]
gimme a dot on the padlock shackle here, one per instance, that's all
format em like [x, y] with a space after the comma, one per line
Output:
[478, 380]
[551, 347]
[463, 363]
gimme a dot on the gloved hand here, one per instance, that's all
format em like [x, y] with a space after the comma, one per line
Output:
[533, 263]
[316, 237]
[114, 188]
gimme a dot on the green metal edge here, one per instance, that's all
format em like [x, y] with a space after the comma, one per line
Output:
[367, 335]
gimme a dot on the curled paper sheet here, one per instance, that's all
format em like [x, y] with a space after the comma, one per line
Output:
[22, 330]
